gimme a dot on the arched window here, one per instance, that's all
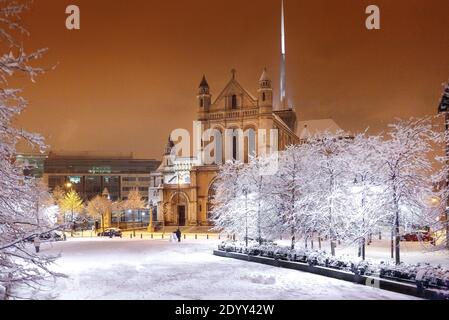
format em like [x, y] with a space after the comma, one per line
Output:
[234, 102]
[201, 103]
[263, 96]
[251, 142]
[234, 145]
[218, 140]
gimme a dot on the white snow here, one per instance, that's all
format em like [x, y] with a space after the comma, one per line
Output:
[307, 129]
[157, 269]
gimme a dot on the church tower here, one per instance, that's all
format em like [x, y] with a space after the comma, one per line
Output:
[285, 111]
[265, 93]
[282, 93]
[204, 98]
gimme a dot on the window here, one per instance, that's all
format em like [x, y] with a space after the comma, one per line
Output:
[201, 103]
[234, 147]
[234, 102]
[263, 96]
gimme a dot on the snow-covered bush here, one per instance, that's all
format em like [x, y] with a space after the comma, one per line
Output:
[425, 275]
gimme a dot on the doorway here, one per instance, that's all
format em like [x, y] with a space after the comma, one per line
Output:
[181, 216]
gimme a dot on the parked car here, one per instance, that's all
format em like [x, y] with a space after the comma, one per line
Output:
[111, 232]
[49, 236]
[419, 235]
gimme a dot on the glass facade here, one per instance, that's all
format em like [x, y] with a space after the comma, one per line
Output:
[134, 217]
[89, 177]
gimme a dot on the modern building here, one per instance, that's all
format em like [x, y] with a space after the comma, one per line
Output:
[33, 163]
[90, 174]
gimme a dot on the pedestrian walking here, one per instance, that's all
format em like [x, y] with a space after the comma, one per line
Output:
[178, 234]
[37, 243]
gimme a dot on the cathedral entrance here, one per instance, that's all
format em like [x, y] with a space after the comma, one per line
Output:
[181, 216]
[178, 214]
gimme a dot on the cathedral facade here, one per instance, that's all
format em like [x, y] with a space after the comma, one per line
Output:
[184, 187]
[239, 125]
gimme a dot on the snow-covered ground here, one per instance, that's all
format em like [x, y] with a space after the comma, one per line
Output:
[158, 269]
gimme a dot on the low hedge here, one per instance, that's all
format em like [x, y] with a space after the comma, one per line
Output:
[422, 275]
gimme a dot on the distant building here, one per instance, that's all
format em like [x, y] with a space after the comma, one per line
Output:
[33, 163]
[90, 175]
[310, 128]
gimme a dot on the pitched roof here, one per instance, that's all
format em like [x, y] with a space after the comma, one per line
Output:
[204, 82]
[309, 128]
[233, 86]
[264, 76]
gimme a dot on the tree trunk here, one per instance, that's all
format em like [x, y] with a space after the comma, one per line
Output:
[319, 242]
[73, 225]
[392, 243]
[363, 247]
[293, 238]
[447, 229]
[397, 240]
[333, 248]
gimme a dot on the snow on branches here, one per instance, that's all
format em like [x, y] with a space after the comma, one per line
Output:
[22, 199]
[338, 187]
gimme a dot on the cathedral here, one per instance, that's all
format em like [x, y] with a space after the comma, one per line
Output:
[183, 187]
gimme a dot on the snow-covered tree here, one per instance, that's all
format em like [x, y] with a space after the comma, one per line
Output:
[365, 199]
[19, 213]
[226, 208]
[331, 180]
[408, 157]
[72, 205]
[134, 201]
[98, 207]
[289, 188]
[260, 203]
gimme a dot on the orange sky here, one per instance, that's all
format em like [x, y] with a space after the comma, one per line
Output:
[131, 74]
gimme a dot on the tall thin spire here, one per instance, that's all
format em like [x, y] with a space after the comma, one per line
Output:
[283, 53]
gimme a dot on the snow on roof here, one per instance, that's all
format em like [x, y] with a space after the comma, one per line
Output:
[312, 127]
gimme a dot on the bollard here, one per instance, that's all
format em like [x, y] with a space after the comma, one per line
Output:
[207, 237]
[151, 236]
[196, 237]
[141, 236]
[185, 236]
[162, 236]
[130, 235]
[219, 237]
